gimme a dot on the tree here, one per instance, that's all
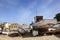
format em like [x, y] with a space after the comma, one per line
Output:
[57, 16]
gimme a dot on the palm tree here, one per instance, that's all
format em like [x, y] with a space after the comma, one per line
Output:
[57, 16]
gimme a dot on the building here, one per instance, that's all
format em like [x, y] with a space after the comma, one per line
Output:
[14, 26]
[24, 25]
[5, 26]
[38, 18]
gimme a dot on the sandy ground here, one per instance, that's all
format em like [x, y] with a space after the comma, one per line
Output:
[50, 37]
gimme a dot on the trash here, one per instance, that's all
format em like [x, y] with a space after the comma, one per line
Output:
[35, 33]
[6, 33]
[0, 29]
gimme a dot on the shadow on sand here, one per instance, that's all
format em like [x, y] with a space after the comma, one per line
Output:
[26, 35]
[13, 35]
[16, 35]
[57, 35]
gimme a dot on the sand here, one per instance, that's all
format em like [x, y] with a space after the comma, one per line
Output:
[50, 37]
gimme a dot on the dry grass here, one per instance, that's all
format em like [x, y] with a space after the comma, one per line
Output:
[51, 37]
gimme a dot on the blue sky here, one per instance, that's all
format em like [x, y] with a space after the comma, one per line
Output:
[23, 11]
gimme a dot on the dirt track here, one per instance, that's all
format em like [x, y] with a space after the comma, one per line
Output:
[51, 37]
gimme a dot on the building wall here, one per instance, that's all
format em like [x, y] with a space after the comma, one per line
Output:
[24, 26]
[14, 26]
